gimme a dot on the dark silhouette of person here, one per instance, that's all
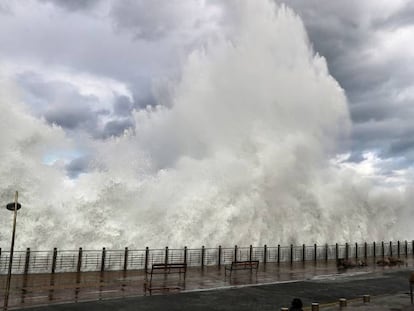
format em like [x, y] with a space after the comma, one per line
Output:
[296, 305]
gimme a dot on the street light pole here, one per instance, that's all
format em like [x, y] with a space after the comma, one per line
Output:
[11, 207]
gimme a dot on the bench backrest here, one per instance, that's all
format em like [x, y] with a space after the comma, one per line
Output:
[245, 263]
[169, 265]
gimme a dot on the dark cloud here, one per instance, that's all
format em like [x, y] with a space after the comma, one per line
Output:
[355, 157]
[141, 97]
[402, 146]
[142, 100]
[376, 108]
[59, 102]
[83, 43]
[71, 117]
[77, 166]
[149, 20]
[122, 106]
[73, 5]
[136, 42]
[389, 138]
[403, 17]
[347, 33]
[117, 127]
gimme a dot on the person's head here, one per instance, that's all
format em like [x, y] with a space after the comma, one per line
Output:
[297, 303]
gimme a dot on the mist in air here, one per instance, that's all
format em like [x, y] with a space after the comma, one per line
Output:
[246, 153]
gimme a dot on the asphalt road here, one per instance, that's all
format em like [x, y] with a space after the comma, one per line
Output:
[322, 289]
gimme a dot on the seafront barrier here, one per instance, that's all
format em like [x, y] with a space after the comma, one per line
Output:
[56, 260]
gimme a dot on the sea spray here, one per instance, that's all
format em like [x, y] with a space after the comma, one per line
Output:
[242, 155]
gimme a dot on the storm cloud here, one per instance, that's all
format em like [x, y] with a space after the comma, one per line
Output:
[368, 46]
[133, 51]
[121, 119]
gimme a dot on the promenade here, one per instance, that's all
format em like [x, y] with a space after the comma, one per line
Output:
[270, 288]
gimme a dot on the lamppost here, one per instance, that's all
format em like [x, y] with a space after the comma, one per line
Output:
[15, 206]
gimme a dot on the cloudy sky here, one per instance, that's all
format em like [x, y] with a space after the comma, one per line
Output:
[86, 65]
[146, 120]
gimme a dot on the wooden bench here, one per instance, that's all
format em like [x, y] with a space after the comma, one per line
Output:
[162, 289]
[164, 269]
[169, 268]
[242, 265]
[342, 263]
[390, 261]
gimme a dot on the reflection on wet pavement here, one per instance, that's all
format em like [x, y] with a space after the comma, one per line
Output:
[42, 289]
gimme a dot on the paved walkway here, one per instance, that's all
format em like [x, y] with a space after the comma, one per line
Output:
[272, 287]
[379, 303]
[388, 290]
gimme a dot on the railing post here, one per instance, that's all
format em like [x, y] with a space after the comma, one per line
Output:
[203, 251]
[235, 252]
[412, 248]
[126, 259]
[219, 256]
[374, 245]
[346, 251]
[79, 267]
[390, 248]
[383, 249]
[166, 255]
[185, 254]
[342, 303]
[265, 254]
[336, 251]
[278, 253]
[356, 250]
[365, 251]
[54, 259]
[80, 260]
[251, 253]
[146, 259]
[103, 259]
[303, 252]
[291, 253]
[27, 261]
[398, 248]
[405, 246]
[326, 252]
[315, 253]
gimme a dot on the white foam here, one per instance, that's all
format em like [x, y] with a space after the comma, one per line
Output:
[243, 156]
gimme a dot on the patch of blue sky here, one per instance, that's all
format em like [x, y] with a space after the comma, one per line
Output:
[66, 156]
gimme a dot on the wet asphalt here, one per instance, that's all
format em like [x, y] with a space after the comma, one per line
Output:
[323, 289]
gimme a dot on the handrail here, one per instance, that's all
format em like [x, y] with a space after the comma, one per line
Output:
[55, 261]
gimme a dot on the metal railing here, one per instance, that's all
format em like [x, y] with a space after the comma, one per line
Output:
[55, 261]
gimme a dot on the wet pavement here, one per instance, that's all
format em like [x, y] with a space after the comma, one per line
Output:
[394, 302]
[272, 287]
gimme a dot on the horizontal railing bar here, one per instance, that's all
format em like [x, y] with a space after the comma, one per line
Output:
[95, 260]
